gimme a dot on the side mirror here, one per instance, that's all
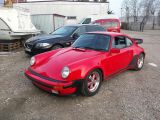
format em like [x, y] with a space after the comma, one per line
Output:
[75, 36]
[138, 41]
[115, 50]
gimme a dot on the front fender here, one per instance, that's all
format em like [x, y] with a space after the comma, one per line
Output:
[81, 70]
[43, 56]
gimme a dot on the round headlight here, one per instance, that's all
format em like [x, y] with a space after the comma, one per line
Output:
[65, 72]
[32, 61]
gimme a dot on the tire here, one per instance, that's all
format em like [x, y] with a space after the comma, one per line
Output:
[56, 47]
[140, 62]
[90, 87]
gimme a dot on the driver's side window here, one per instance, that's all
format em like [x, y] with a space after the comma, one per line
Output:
[119, 42]
[81, 30]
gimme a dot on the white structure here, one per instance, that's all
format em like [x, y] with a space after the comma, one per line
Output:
[47, 23]
[78, 10]
[14, 24]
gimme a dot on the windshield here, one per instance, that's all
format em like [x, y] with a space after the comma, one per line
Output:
[110, 24]
[85, 21]
[93, 41]
[66, 30]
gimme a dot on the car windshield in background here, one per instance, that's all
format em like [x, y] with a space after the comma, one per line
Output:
[110, 24]
[93, 41]
[66, 30]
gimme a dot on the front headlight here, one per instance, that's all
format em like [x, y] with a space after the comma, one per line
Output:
[32, 61]
[65, 72]
[43, 45]
[31, 39]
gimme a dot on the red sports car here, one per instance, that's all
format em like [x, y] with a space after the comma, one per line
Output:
[92, 58]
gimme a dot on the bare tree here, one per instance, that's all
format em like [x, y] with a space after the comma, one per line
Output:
[159, 18]
[154, 7]
[142, 9]
[125, 11]
[131, 8]
[146, 6]
[134, 9]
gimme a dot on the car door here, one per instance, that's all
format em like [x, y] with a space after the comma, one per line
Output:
[118, 61]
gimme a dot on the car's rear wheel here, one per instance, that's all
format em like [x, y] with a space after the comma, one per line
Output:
[139, 62]
[56, 47]
[92, 83]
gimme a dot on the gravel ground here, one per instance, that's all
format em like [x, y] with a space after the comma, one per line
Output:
[129, 96]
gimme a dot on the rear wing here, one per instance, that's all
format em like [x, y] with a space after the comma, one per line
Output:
[138, 41]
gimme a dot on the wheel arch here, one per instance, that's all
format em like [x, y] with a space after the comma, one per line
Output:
[57, 44]
[94, 68]
[143, 54]
[135, 57]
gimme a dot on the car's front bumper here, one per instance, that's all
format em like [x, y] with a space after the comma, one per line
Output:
[34, 51]
[51, 85]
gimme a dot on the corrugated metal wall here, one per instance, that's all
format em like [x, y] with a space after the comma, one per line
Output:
[58, 22]
[47, 22]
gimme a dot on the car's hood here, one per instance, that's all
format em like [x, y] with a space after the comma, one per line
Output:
[52, 66]
[41, 38]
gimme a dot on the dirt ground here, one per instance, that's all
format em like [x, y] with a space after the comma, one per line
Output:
[129, 96]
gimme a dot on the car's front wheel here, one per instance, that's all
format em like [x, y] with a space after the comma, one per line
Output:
[92, 83]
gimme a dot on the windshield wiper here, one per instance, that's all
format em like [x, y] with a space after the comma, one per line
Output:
[100, 49]
[88, 48]
[81, 47]
[78, 48]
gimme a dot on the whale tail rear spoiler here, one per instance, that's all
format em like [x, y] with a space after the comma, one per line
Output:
[138, 41]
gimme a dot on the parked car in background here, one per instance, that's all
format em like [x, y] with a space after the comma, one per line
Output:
[62, 37]
[110, 22]
[111, 25]
[92, 58]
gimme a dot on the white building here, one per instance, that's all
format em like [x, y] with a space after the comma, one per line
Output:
[77, 10]
[74, 12]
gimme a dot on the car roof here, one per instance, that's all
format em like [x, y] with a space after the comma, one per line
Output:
[78, 25]
[108, 33]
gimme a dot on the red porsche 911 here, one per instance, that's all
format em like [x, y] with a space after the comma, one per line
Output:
[93, 58]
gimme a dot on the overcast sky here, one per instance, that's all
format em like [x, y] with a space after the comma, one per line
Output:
[115, 5]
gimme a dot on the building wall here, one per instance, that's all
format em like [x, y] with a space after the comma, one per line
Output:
[78, 9]
[47, 23]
